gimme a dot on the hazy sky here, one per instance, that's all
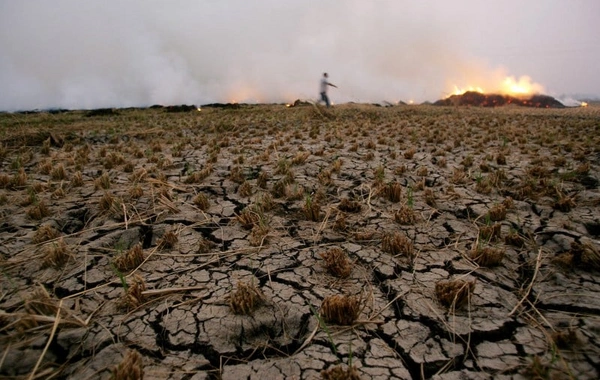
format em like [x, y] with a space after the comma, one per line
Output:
[92, 54]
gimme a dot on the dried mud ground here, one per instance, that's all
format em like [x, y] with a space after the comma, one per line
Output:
[270, 242]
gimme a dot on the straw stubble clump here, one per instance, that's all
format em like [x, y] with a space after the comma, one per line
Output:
[130, 368]
[168, 240]
[338, 372]
[340, 309]
[245, 298]
[130, 259]
[487, 256]
[454, 294]
[397, 245]
[56, 254]
[337, 263]
[44, 233]
[133, 295]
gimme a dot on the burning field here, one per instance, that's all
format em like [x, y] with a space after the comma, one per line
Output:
[261, 241]
[477, 99]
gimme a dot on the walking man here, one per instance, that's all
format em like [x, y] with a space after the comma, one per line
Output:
[324, 84]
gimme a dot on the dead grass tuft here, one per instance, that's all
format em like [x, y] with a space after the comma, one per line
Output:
[204, 245]
[300, 158]
[501, 159]
[131, 368]
[39, 302]
[38, 211]
[397, 244]
[339, 224]
[508, 203]
[348, 205]
[539, 368]
[564, 203]
[565, 339]
[19, 179]
[430, 197]
[4, 181]
[585, 255]
[487, 256]
[139, 175]
[246, 298]
[58, 173]
[106, 201]
[77, 179]
[245, 189]
[201, 201]
[44, 233]
[565, 260]
[340, 309]
[392, 192]
[102, 182]
[168, 240]
[364, 235]
[336, 262]
[248, 218]
[136, 191]
[294, 192]
[405, 216]
[56, 254]
[258, 235]
[454, 293]
[483, 185]
[133, 297]
[262, 179]
[497, 213]
[408, 154]
[459, 176]
[130, 259]
[490, 232]
[513, 238]
[338, 372]
[312, 209]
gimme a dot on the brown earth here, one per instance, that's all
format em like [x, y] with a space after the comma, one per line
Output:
[270, 242]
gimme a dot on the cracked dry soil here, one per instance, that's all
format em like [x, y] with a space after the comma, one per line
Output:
[203, 245]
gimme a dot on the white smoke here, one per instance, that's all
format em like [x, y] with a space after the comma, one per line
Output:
[90, 54]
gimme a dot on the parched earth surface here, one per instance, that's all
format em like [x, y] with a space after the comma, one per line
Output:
[202, 244]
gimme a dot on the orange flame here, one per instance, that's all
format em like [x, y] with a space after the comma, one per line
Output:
[508, 86]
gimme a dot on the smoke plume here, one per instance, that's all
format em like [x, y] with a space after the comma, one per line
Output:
[90, 54]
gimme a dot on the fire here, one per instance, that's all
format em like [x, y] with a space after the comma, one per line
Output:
[583, 104]
[460, 91]
[523, 86]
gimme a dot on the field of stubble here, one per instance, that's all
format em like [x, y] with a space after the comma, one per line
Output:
[269, 242]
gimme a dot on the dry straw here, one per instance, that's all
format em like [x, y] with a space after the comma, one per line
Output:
[168, 240]
[44, 233]
[397, 245]
[134, 294]
[338, 372]
[246, 298]
[348, 205]
[340, 309]
[56, 254]
[487, 256]
[454, 294]
[130, 368]
[130, 259]
[337, 263]
[405, 216]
